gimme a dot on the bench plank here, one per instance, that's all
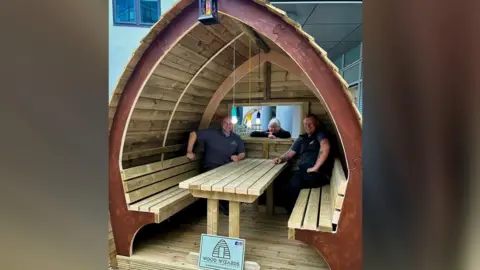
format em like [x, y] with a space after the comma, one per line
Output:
[153, 167]
[219, 186]
[325, 220]
[340, 179]
[147, 191]
[171, 192]
[143, 204]
[296, 218]
[311, 215]
[157, 207]
[175, 207]
[149, 179]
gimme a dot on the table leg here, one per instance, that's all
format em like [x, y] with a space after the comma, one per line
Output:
[212, 216]
[270, 200]
[234, 220]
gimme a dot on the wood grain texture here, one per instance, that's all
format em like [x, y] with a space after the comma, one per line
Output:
[125, 223]
[342, 250]
[168, 245]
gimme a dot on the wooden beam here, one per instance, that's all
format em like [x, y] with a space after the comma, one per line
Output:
[254, 37]
[268, 80]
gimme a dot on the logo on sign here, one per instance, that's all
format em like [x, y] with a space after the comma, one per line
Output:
[221, 253]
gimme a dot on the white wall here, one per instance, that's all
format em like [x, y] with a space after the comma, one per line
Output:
[122, 42]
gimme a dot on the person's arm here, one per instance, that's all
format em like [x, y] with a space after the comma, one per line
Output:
[286, 156]
[259, 134]
[241, 150]
[201, 135]
[322, 155]
[289, 154]
[283, 134]
[191, 142]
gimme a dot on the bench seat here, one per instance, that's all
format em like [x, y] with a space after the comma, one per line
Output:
[164, 204]
[154, 187]
[318, 209]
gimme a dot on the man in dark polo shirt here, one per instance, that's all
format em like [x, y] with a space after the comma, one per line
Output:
[313, 164]
[222, 146]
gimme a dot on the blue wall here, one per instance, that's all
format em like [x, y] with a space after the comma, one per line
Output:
[122, 42]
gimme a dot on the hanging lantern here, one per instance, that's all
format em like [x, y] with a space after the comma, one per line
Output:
[258, 122]
[208, 12]
[234, 115]
[249, 120]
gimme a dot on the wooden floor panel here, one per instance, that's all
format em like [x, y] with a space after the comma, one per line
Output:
[166, 245]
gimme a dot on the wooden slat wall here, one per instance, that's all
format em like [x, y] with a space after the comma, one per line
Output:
[263, 148]
[168, 84]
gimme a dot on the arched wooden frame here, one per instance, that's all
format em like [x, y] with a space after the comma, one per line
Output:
[243, 70]
[342, 250]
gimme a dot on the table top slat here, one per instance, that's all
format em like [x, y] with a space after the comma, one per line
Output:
[217, 177]
[248, 178]
[259, 186]
[230, 187]
[244, 187]
[226, 181]
[196, 181]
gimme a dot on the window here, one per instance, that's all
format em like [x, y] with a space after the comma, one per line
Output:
[353, 55]
[136, 12]
[352, 73]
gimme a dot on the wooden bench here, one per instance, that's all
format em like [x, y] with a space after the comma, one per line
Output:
[154, 187]
[318, 209]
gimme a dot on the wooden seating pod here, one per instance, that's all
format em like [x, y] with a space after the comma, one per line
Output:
[180, 78]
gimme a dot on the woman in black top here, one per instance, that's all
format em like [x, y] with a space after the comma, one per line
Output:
[274, 131]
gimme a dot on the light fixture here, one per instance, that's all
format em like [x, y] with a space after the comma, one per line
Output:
[234, 115]
[208, 12]
[249, 120]
[258, 122]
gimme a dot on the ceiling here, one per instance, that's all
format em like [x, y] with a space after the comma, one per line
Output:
[335, 25]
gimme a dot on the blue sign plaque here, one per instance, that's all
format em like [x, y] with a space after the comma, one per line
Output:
[221, 253]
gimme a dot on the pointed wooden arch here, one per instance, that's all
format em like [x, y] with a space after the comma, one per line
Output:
[342, 250]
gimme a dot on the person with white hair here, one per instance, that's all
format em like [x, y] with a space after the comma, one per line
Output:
[274, 131]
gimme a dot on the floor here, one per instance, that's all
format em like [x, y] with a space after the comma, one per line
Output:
[166, 245]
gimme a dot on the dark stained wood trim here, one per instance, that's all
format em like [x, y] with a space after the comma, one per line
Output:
[125, 223]
[342, 250]
[268, 80]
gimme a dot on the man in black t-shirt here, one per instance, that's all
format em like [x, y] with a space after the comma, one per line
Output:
[313, 164]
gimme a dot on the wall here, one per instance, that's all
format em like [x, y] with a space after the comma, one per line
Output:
[350, 66]
[122, 42]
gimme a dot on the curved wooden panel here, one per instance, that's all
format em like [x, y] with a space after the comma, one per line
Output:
[126, 223]
[348, 240]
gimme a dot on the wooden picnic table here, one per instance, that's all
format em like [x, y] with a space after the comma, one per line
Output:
[236, 182]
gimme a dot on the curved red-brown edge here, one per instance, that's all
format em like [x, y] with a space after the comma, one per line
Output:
[342, 250]
[125, 223]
